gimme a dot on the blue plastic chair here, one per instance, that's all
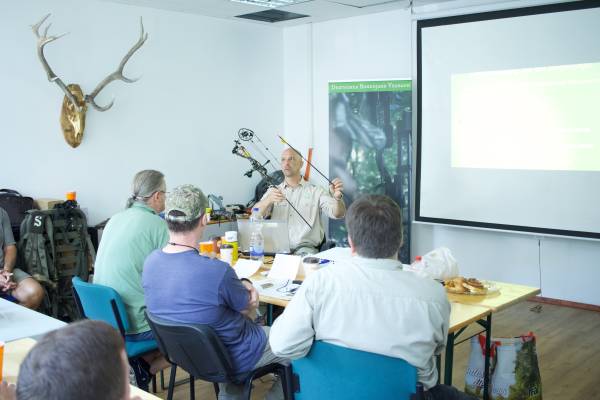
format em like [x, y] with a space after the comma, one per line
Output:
[338, 373]
[103, 303]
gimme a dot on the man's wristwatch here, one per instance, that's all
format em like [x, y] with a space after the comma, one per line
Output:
[247, 280]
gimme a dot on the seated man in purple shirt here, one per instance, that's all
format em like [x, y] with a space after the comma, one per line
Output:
[181, 285]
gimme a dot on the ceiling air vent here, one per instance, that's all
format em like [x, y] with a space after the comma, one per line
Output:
[272, 15]
[271, 3]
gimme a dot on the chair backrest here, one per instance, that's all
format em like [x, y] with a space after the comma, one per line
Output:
[194, 347]
[334, 372]
[101, 303]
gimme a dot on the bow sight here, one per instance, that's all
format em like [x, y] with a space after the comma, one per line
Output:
[240, 151]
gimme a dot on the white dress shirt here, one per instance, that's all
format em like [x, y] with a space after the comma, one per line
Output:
[310, 201]
[369, 305]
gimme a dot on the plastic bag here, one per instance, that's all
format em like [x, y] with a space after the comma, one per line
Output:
[514, 369]
[517, 374]
[437, 264]
[476, 365]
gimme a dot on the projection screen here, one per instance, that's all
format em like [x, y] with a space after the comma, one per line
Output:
[508, 120]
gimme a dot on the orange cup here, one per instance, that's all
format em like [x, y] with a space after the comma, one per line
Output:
[71, 195]
[1, 358]
[206, 247]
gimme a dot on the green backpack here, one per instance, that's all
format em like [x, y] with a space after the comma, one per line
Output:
[55, 246]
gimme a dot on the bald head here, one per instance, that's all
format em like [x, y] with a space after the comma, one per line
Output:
[291, 163]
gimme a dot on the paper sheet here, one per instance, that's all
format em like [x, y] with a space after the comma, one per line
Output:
[246, 268]
[285, 267]
[276, 288]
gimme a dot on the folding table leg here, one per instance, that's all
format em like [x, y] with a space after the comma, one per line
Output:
[269, 314]
[486, 370]
[449, 360]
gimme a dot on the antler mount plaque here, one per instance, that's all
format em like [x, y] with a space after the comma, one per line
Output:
[75, 102]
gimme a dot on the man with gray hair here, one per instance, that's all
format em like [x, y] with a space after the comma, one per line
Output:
[369, 303]
[181, 285]
[128, 238]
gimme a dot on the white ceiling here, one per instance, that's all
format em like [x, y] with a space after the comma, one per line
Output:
[318, 10]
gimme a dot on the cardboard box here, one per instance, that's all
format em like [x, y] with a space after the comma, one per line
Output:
[46, 204]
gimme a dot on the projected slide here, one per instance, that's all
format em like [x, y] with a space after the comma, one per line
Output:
[508, 128]
[544, 118]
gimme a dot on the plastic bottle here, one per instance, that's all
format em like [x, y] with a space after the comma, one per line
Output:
[257, 242]
[227, 253]
[72, 224]
[417, 264]
[231, 238]
[70, 200]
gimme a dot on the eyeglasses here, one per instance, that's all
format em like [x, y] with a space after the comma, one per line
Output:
[159, 191]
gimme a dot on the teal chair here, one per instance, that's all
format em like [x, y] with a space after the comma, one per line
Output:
[103, 303]
[338, 373]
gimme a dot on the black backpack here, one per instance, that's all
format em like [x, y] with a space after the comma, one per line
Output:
[16, 206]
[55, 246]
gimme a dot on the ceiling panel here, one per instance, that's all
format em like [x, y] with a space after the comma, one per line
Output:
[318, 10]
[362, 3]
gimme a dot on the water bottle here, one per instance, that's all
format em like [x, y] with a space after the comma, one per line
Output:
[417, 263]
[257, 242]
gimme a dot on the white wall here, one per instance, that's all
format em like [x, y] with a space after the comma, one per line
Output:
[345, 49]
[201, 80]
[379, 46]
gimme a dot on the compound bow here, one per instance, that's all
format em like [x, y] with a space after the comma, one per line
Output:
[241, 151]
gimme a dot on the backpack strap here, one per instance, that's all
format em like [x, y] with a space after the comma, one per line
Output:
[10, 192]
[88, 253]
[50, 234]
[35, 228]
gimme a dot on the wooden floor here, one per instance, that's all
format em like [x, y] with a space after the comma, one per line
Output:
[568, 351]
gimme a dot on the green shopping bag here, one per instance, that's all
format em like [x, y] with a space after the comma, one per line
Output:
[516, 374]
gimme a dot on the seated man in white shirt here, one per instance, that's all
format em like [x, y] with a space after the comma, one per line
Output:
[369, 303]
[308, 199]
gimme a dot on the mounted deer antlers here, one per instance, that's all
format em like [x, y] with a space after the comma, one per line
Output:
[75, 103]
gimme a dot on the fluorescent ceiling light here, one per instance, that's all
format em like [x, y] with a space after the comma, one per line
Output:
[271, 3]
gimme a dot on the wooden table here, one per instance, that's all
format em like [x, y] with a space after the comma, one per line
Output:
[463, 315]
[15, 352]
[465, 310]
[507, 295]
[17, 322]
